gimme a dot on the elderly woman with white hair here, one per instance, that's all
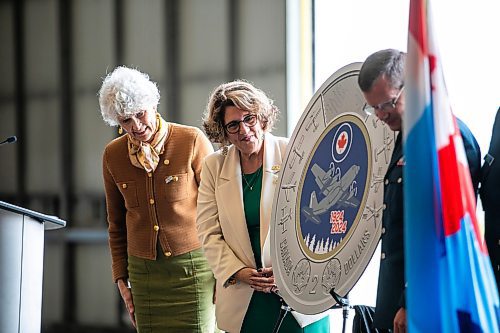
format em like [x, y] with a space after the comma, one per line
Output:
[151, 177]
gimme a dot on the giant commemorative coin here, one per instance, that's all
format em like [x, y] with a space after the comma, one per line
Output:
[328, 202]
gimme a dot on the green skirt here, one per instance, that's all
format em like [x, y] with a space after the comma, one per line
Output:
[263, 313]
[173, 294]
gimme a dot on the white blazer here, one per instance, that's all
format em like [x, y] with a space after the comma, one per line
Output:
[222, 227]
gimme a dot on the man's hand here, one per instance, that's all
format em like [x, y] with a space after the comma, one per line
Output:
[400, 321]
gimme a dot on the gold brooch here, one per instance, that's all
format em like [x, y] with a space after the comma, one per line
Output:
[276, 167]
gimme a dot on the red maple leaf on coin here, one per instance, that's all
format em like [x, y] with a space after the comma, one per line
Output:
[342, 141]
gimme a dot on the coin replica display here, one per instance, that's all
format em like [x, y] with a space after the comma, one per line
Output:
[328, 201]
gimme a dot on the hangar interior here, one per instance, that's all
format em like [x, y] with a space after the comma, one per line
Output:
[55, 54]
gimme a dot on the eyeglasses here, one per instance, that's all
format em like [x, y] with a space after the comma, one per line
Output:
[384, 107]
[234, 126]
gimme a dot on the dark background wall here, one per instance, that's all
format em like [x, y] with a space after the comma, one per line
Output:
[54, 54]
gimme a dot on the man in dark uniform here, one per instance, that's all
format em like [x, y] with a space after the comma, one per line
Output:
[382, 81]
[490, 192]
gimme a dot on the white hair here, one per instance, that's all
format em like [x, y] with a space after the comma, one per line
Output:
[124, 92]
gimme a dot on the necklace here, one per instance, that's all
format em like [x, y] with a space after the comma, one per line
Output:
[252, 181]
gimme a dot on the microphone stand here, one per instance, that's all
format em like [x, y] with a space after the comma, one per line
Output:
[344, 302]
[284, 309]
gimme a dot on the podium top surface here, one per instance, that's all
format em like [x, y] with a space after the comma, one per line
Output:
[50, 221]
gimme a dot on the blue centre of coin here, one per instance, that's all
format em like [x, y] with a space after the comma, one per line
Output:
[333, 188]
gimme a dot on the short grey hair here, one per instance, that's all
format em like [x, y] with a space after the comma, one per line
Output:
[389, 63]
[124, 92]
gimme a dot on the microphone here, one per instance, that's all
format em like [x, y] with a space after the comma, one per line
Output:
[10, 139]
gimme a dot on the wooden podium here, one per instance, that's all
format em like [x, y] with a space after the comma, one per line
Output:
[21, 266]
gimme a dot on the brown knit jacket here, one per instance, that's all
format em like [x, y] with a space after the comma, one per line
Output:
[143, 208]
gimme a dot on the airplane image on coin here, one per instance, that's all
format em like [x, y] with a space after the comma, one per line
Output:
[337, 189]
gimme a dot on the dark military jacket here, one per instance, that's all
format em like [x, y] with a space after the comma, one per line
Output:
[391, 282]
[490, 197]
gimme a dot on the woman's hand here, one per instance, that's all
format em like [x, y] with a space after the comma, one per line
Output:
[127, 299]
[260, 280]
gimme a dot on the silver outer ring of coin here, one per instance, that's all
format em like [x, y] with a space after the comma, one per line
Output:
[303, 280]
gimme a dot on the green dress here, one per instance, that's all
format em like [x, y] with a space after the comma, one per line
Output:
[264, 308]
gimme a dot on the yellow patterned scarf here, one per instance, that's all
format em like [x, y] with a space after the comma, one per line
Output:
[146, 155]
